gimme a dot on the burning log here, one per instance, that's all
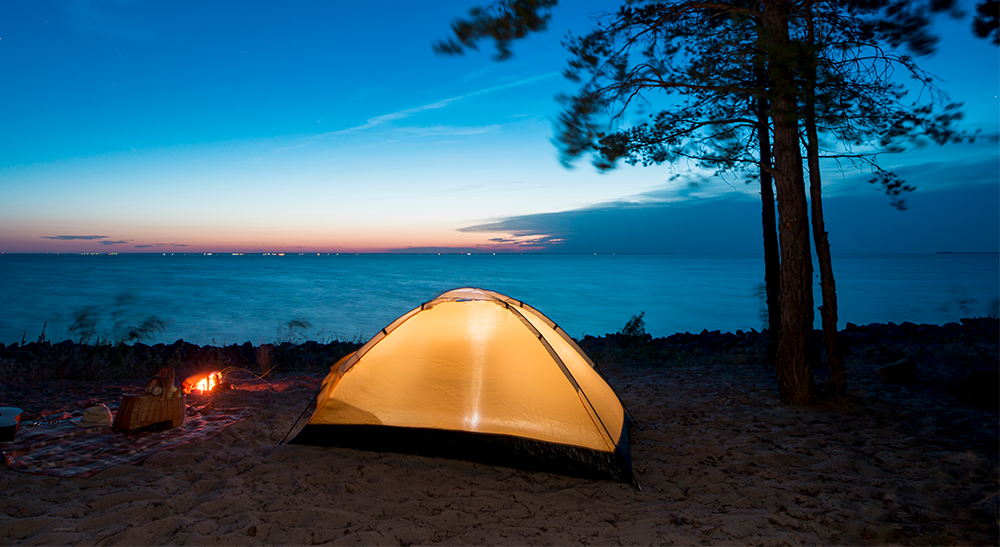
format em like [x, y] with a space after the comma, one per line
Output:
[205, 383]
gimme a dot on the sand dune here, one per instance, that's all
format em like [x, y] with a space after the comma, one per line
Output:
[719, 460]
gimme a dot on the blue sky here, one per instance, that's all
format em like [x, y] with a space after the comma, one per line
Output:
[331, 127]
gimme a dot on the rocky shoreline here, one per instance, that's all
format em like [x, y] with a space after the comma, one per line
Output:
[971, 344]
[70, 360]
[976, 330]
[960, 360]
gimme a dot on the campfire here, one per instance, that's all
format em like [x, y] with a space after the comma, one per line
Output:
[205, 383]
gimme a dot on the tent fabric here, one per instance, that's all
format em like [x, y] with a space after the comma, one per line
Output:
[476, 375]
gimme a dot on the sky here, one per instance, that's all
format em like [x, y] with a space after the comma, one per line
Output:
[246, 126]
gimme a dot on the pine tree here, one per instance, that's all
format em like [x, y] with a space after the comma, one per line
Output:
[740, 84]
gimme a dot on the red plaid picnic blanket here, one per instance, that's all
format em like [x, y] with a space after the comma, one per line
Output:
[65, 450]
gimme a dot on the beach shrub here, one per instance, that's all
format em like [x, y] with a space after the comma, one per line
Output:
[84, 325]
[124, 329]
[293, 331]
[636, 327]
[146, 329]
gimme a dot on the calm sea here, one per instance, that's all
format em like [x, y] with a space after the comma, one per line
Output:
[226, 299]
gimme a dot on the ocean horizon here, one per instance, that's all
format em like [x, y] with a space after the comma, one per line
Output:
[226, 298]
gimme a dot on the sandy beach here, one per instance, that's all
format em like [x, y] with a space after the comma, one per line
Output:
[718, 459]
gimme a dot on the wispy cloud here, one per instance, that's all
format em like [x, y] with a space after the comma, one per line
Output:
[526, 242]
[447, 130]
[391, 117]
[109, 242]
[146, 246]
[384, 119]
[67, 238]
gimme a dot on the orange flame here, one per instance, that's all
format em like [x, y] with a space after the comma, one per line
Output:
[202, 383]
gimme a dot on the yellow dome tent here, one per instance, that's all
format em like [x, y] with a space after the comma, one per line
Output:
[476, 375]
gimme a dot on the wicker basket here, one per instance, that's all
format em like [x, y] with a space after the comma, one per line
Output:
[140, 411]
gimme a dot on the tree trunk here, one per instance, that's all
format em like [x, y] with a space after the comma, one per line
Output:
[828, 311]
[792, 366]
[772, 257]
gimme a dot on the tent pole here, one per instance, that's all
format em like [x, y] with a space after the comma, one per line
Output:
[304, 410]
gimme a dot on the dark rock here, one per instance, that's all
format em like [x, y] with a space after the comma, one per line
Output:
[248, 352]
[980, 387]
[903, 371]
[311, 346]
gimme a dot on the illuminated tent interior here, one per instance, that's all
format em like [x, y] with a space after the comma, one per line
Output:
[476, 375]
